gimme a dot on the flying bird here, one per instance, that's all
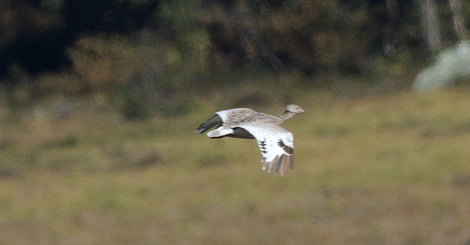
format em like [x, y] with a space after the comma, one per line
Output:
[275, 142]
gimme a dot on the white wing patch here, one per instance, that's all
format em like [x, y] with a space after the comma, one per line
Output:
[220, 132]
[276, 145]
[223, 115]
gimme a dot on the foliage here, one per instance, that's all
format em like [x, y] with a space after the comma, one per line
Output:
[183, 19]
[310, 36]
[156, 57]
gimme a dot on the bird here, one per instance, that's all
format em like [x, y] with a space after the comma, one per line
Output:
[275, 142]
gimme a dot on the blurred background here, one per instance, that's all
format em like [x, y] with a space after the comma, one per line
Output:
[99, 101]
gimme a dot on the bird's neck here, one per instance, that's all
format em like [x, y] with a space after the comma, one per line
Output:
[286, 115]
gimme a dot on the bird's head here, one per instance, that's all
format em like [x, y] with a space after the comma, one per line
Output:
[294, 109]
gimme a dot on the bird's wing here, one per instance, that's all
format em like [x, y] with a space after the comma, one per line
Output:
[227, 118]
[276, 145]
[234, 116]
[214, 121]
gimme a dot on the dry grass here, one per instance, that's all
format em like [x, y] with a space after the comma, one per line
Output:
[383, 170]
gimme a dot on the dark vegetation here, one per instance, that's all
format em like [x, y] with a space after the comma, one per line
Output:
[155, 55]
[78, 166]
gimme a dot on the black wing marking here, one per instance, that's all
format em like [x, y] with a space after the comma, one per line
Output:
[276, 145]
[286, 148]
[211, 122]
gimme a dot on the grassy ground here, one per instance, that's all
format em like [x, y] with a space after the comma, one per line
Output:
[376, 170]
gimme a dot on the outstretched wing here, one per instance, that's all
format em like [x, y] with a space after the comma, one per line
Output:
[227, 118]
[276, 145]
[209, 123]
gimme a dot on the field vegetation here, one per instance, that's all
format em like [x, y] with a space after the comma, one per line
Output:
[390, 169]
[99, 101]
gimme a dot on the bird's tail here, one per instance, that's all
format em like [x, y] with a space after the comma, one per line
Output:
[211, 122]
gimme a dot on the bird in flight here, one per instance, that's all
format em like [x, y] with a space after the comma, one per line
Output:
[275, 142]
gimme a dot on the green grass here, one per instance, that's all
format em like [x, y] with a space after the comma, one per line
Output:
[374, 170]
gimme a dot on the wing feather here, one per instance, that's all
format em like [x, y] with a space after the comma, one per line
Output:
[275, 142]
[276, 145]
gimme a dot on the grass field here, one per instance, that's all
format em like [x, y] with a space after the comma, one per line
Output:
[374, 170]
